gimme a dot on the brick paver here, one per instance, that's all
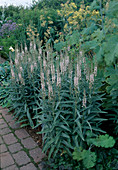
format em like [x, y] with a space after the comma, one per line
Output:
[36, 154]
[1, 141]
[18, 151]
[9, 139]
[8, 118]
[29, 143]
[6, 159]
[3, 125]
[14, 125]
[21, 133]
[13, 167]
[28, 167]
[2, 121]
[21, 158]
[3, 148]
[4, 112]
[5, 131]
[15, 147]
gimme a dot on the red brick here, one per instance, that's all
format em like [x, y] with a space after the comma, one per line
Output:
[5, 131]
[28, 167]
[21, 158]
[21, 133]
[9, 139]
[15, 147]
[6, 160]
[29, 143]
[37, 154]
[3, 148]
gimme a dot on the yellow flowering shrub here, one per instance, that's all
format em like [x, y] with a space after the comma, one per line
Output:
[32, 32]
[75, 18]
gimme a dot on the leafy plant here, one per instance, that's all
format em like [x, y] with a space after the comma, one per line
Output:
[24, 85]
[4, 84]
[105, 141]
[111, 75]
[88, 157]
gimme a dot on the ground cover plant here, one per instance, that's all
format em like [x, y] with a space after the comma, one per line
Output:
[64, 79]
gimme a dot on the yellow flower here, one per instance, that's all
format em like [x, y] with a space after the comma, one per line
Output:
[81, 10]
[41, 17]
[60, 33]
[73, 5]
[11, 49]
[71, 22]
[56, 41]
[58, 12]
[94, 12]
[65, 26]
[97, 12]
[48, 31]
[50, 22]
[43, 24]
[87, 7]
[46, 34]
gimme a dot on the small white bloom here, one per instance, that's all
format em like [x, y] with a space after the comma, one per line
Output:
[95, 71]
[11, 49]
[16, 61]
[21, 69]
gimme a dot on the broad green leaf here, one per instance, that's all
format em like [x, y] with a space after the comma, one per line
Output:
[105, 141]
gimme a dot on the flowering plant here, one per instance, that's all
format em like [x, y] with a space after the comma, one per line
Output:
[25, 83]
[69, 100]
[11, 49]
[8, 28]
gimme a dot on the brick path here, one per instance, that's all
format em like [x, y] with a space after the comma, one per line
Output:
[18, 151]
